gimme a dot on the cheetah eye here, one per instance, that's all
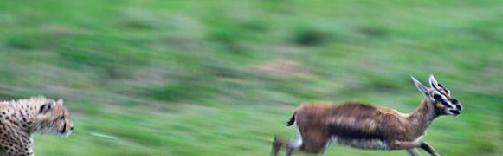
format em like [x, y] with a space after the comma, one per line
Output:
[42, 108]
[62, 117]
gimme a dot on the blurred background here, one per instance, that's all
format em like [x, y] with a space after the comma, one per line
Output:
[221, 77]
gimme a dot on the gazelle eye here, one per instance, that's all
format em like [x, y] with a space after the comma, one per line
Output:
[437, 96]
[444, 102]
[459, 107]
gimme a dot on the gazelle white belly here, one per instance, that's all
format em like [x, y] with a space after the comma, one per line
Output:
[364, 143]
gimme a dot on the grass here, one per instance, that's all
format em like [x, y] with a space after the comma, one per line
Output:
[189, 78]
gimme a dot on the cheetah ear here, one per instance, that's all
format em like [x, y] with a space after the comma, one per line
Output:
[47, 107]
[59, 102]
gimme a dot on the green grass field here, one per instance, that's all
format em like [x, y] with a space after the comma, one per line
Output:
[220, 77]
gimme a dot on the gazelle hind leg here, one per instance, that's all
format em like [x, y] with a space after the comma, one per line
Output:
[276, 146]
[292, 146]
[426, 147]
[326, 147]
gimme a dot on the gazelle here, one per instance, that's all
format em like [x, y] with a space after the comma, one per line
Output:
[370, 127]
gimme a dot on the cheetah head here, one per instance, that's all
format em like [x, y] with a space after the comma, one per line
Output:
[54, 118]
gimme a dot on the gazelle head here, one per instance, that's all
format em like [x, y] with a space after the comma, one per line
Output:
[440, 97]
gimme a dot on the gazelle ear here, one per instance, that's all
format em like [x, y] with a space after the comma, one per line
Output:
[420, 86]
[433, 82]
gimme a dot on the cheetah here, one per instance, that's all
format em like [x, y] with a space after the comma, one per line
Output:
[20, 118]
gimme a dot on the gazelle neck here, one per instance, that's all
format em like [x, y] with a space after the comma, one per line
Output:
[422, 117]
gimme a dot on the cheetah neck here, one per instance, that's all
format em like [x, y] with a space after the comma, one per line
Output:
[22, 113]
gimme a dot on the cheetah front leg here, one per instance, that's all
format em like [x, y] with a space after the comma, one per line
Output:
[16, 146]
[15, 150]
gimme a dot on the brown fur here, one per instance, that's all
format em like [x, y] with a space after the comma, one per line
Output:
[369, 127]
[374, 121]
[318, 122]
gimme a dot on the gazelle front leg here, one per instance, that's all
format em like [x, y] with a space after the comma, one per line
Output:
[425, 146]
[399, 145]
[411, 147]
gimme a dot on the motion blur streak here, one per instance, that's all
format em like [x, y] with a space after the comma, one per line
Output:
[219, 77]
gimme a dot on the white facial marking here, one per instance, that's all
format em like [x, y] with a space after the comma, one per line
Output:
[450, 106]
